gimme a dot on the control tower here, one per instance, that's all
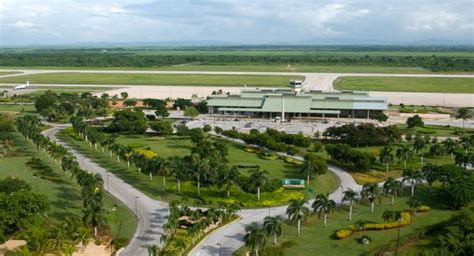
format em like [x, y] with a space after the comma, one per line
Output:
[296, 86]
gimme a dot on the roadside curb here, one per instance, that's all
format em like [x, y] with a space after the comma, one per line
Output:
[212, 232]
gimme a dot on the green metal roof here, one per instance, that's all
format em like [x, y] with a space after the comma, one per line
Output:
[292, 104]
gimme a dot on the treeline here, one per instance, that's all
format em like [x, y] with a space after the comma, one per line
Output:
[271, 139]
[88, 59]
[364, 134]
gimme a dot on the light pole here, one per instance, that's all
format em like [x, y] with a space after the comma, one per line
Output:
[136, 208]
[398, 236]
[220, 248]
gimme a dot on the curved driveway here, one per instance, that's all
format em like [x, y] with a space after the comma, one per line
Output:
[152, 214]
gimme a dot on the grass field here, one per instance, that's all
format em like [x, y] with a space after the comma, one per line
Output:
[4, 73]
[435, 130]
[154, 79]
[64, 194]
[406, 84]
[165, 148]
[317, 240]
[17, 107]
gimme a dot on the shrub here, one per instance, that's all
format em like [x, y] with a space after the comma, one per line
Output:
[293, 161]
[218, 130]
[162, 127]
[423, 208]
[207, 128]
[252, 150]
[146, 153]
[316, 146]
[344, 233]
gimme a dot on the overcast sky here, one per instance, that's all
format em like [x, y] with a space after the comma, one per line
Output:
[240, 22]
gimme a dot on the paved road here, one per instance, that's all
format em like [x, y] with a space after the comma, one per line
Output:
[152, 214]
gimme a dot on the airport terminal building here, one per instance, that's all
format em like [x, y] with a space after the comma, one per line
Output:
[288, 103]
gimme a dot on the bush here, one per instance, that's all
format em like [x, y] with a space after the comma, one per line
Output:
[423, 208]
[293, 161]
[207, 128]
[346, 232]
[218, 130]
[252, 150]
[415, 121]
[316, 146]
[162, 127]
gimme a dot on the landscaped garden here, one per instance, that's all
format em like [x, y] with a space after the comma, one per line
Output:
[23, 162]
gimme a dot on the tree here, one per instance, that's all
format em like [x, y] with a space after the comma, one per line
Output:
[390, 216]
[415, 121]
[404, 153]
[393, 188]
[380, 117]
[464, 114]
[272, 225]
[350, 196]
[413, 177]
[130, 103]
[227, 177]
[191, 111]
[323, 205]
[437, 150]
[124, 95]
[313, 165]
[255, 237]
[430, 174]
[386, 156]
[177, 170]
[162, 127]
[372, 193]
[297, 211]
[418, 146]
[129, 121]
[258, 178]
[450, 146]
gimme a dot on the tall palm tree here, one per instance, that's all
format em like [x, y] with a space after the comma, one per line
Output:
[350, 196]
[165, 170]
[464, 114]
[297, 211]
[272, 225]
[312, 165]
[371, 192]
[258, 178]
[419, 146]
[450, 146]
[430, 174]
[392, 187]
[404, 153]
[227, 177]
[389, 215]
[436, 150]
[323, 205]
[413, 177]
[386, 156]
[199, 169]
[255, 237]
[177, 170]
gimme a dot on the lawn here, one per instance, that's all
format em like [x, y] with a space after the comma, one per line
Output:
[406, 84]
[4, 73]
[436, 130]
[317, 240]
[209, 195]
[154, 79]
[63, 194]
[17, 107]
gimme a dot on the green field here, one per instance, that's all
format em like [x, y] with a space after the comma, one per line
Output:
[406, 84]
[435, 130]
[171, 147]
[4, 73]
[317, 240]
[17, 107]
[154, 79]
[258, 68]
[63, 194]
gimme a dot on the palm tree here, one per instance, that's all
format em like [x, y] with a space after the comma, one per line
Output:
[323, 205]
[297, 211]
[258, 178]
[312, 165]
[413, 177]
[272, 225]
[227, 178]
[414, 204]
[419, 146]
[165, 170]
[177, 170]
[404, 153]
[231, 209]
[386, 156]
[153, 250]
[350, 196]
[392, 187]
[463, 113]
[255, 237]
[371, 192]
[450, 146]
[200, 168]
[429, 174]
[436, 150]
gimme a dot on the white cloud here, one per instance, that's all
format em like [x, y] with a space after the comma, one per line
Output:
[22, 24]
[435, 20]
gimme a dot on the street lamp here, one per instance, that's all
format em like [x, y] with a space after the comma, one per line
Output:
[136, 208]
[220, 248]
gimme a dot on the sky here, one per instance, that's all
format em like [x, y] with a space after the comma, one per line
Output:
[57, 22]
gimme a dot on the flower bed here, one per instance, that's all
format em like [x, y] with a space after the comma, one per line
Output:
[293, 161]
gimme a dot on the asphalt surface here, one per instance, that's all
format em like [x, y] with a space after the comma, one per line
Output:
[151, 214]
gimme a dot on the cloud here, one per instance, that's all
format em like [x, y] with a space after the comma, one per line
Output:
[22, 24]
[242, 21]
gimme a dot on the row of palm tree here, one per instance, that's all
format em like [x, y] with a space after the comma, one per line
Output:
[91, 185]
[406, 151]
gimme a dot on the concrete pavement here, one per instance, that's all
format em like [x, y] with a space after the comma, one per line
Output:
[151, 214]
